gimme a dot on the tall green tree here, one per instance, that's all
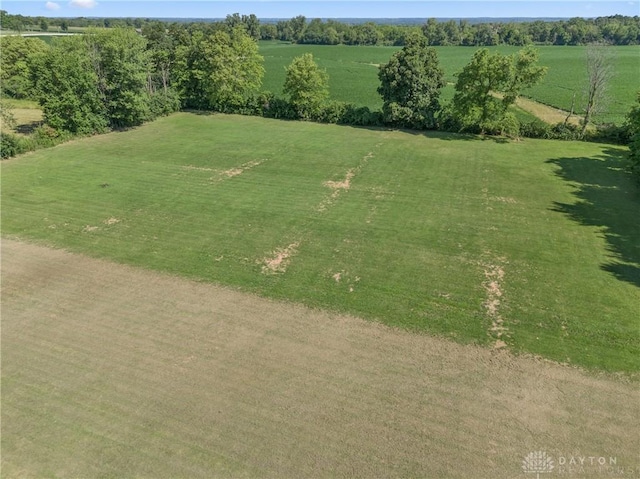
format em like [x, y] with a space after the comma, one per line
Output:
[219, 71]
[122, 62]
[89, 82]
[307, 86]
[15, 61]
[410, 85]
[162, 50]
[298, 25]
[489, 84]
[235, 68]
[190, 71]
[66, 85]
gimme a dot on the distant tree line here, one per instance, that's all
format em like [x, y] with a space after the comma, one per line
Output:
[613, 30]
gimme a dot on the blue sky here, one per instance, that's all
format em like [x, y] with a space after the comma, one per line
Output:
[322, 8]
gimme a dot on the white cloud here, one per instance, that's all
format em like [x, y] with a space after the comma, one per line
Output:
[83, 3]
[52, 6]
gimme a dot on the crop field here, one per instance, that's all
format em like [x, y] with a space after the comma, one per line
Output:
[353, 73]
[316, 300]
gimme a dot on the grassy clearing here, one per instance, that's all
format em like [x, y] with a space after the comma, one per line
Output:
[27, 115]
[353, 73]
[530, 243]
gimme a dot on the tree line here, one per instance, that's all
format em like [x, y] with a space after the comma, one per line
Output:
[612, 30]
[119, 78]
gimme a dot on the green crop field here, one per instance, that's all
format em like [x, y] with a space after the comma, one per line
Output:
[531, 243]
[353, 73]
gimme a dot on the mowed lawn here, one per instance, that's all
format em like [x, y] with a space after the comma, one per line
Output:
[530, 245]
[353, 73]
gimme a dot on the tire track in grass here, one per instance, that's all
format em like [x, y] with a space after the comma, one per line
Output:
[221, 175]
[278, 260]
[494, 274]
[337, 187]
[493, 285]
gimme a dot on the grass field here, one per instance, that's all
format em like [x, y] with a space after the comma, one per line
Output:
[531, 245]
[353, 73]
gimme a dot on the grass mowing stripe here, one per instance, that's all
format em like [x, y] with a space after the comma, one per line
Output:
[410, 242]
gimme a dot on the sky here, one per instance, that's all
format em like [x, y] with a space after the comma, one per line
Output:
[323, 8]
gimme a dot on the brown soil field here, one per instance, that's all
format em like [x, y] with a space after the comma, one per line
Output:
[111, 371]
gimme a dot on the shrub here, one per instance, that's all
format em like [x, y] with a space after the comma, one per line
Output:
[163, 103]
[535, 129]
[565, 131]
[9, 145]
[279, 108]
[334, 112]
[362, 116]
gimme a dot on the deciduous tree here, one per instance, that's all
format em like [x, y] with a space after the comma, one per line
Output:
[489, 84]
[307, 86]
[410, 84]
[66, 84]
[218, 71]
[17, 52]
[89, 82]
[121, 62]
[599, 73]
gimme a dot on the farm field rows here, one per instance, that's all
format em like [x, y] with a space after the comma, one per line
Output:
[113, 371]
[528, 246]
[353, 73]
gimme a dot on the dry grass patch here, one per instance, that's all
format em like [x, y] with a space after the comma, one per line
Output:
[279, 261]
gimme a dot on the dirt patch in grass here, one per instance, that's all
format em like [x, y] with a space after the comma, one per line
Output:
[279, 261]
[494, 277]
[503, 199]
[197, 168]
[224, 174]
[230, 173]
[111, 369]
[342, 185]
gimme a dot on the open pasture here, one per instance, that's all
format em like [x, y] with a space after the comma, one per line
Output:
[528, 246]
[353, 73]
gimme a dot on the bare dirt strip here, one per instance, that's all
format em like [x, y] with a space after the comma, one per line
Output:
[547, 113]
[111, 371]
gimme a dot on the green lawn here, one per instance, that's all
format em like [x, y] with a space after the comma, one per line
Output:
[428, 223]
[353, 73]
